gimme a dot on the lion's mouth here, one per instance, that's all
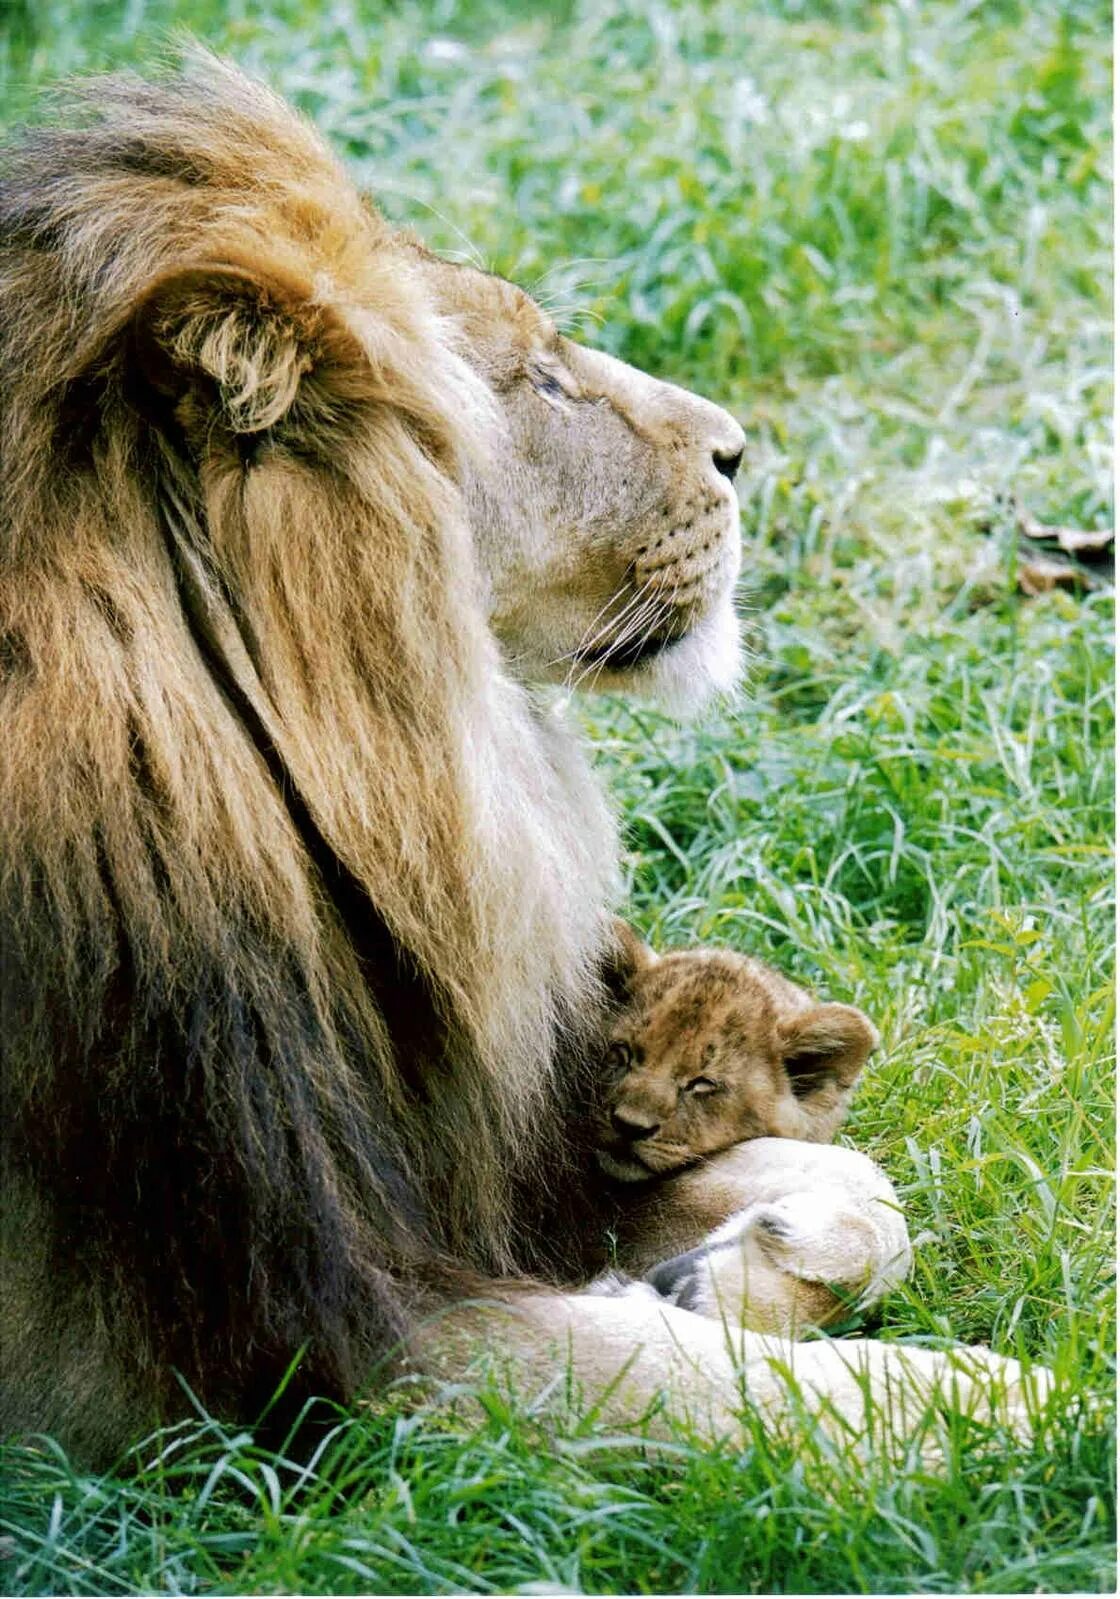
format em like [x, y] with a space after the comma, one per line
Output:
[629, 653]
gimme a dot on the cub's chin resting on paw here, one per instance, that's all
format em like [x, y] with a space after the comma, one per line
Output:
[708, 1048]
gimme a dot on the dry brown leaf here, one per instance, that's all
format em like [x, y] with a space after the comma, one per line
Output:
[1039, 575]
[1073, 540]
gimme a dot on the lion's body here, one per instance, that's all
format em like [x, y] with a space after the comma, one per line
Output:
[303, 893]
[258, 851]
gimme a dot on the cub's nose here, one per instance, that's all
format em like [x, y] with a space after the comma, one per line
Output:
[632, 1128]
[728, 462]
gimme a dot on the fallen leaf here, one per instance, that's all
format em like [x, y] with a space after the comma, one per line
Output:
[1073, 540]
[1039, 575]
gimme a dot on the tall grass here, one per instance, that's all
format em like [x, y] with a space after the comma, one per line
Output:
[879, 233]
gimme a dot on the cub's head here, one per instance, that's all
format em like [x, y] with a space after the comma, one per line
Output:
[604, 517]
[711, 1048]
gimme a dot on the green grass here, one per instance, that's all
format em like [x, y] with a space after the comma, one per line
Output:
[879, 234]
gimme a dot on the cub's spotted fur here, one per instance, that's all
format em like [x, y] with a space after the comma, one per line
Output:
[712, 1048]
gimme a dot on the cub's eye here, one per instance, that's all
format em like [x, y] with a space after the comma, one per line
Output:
[703, 1085]
[618, 1058]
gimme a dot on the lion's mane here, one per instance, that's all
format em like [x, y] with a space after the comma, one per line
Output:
[302, 895]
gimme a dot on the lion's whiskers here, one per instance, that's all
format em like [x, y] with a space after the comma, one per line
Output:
[592, 634]
[638, 607]
[639, 627]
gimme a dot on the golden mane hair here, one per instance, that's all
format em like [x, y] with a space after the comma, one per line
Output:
[302, 896]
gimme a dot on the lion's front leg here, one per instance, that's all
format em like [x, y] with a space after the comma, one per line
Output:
[772, 1235]
[634, 1356]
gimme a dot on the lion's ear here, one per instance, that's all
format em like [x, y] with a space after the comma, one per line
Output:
[826, 1046]
[627, 957]
[238, 342]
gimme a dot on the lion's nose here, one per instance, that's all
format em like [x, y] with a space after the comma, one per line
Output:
[728, 462]
[631, 1127]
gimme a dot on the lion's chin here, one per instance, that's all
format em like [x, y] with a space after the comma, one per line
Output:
[688, 672]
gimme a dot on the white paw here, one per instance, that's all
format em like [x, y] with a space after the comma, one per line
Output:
[824, 1237]
[795, 1260]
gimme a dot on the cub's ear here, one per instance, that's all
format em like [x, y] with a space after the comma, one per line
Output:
[826, 1046]
[234, 343]
[627, 957]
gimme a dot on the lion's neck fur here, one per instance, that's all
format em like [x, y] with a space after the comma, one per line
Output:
[249, 706]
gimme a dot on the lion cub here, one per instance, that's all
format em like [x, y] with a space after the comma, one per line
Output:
[712, 1048]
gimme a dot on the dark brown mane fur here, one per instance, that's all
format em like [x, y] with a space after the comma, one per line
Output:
[298, 893]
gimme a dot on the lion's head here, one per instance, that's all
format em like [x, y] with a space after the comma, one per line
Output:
[304, 890]
[604, 516]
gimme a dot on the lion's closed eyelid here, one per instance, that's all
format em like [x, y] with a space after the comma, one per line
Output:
[551, 378]
[545, 383]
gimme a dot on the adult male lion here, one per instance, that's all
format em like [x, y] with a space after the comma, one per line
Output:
[304, 891]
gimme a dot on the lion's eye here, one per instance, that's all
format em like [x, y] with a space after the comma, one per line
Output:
[551, 383]
[545, 383]
[702, 1086]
